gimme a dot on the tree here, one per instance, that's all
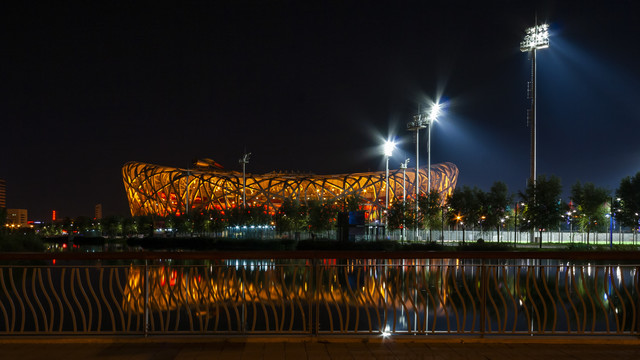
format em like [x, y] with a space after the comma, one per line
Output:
[351, 203]
[430, 211]
[291, 216]
[399, 213]
[495, 204]
[112, 225]
[591, 205]
[129, 226]
[144, 225]
[217, 221]
[465, 206]
[82, 224]
[543, 205]
[321, 216]
[257, 215]
[629, 194]
[201, 222]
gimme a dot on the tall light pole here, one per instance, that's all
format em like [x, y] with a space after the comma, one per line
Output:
[422, 121]
[537, 38]
[403, 166]
[388, 151]
[433, 116]
[244, 161]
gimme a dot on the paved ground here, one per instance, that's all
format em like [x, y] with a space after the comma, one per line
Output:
[316, 349]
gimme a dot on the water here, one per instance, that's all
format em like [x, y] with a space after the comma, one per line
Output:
[326, 296]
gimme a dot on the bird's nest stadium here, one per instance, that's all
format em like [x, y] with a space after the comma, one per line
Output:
[162, 190]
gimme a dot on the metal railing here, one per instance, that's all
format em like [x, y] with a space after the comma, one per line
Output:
[323, 293]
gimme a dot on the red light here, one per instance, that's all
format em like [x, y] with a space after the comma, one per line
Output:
[54, 261]
[64, 246]
[53, 216]
[172, 279]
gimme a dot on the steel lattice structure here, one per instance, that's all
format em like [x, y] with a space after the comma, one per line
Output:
[162, 190]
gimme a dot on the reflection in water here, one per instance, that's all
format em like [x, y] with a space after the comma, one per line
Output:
[375, 296]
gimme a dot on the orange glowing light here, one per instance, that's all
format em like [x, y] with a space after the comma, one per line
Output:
[147, 186]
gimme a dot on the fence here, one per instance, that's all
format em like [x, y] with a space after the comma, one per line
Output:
[322, 293]
[448, 235]
[517, 237]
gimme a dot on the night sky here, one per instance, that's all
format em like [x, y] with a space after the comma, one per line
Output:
[310, 87]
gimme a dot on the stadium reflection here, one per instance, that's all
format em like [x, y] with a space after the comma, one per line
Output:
[379, 296]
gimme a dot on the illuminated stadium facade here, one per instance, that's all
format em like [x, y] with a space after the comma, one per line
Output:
[162, 190]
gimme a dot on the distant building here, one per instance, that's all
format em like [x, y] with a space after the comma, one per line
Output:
[3, 194]
[98, 212]
[17, 217]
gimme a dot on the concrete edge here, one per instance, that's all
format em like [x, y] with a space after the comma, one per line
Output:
[191, 339]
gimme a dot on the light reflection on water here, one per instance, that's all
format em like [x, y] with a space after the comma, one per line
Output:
[416, 295]
[365, 296]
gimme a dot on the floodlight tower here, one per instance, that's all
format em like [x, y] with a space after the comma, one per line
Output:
[419, 122]
[433, 116]
[244, 161]
[537, 38]
[389, 146]
[422, 121]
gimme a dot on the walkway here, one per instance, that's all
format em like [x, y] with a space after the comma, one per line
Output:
[317, 348]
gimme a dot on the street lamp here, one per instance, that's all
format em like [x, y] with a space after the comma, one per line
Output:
[423, 121]
[403, 166]
[388, 151]
[244, 161]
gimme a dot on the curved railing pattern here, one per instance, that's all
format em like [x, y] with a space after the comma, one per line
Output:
[316, 296]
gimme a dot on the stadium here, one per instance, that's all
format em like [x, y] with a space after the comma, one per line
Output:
[162, 190]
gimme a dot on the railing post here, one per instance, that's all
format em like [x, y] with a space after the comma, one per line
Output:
[638, 300]
[483, 298]
[316, 302]
[146, 298]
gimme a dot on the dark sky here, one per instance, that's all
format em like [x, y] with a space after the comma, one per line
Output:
[307, 86]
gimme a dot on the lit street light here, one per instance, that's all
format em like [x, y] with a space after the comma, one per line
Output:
[423, 121]
[244, 161]
[403, 166]
[388, 151]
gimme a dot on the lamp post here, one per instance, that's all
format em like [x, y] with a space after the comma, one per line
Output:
[403, 166]
[244, 161]
[423, 121]
[388, 151]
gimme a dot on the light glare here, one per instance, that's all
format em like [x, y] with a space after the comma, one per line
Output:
[389, 146]
[537, 38]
